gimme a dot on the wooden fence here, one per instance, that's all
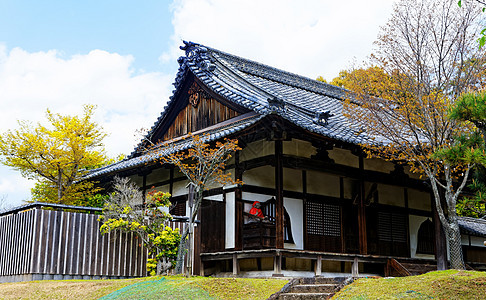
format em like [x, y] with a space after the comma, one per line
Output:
[50, 244]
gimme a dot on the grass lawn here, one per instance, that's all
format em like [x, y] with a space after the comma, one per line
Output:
[172, 287]
[450, 284]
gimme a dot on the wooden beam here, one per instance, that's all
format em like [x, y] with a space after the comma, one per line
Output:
[279, 209]
[363, 243]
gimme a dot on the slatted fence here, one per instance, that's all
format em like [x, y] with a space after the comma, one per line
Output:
[51, 244]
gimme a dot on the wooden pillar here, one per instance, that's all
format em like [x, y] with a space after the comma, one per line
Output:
[144, 187]
[171, 179]
[238, 205]
[363, 243]
[197, 262]
[355, 268]
[304, 203]
[236, 266]
[319, 265]
[279, 209]
[277, 265]
[440, 239]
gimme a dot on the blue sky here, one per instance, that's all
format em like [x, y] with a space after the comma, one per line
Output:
[122, 55]
[138, 28]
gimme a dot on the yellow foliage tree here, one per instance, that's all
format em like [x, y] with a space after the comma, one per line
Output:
[58, 155]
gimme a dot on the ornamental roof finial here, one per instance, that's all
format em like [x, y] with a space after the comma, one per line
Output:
[199, 55]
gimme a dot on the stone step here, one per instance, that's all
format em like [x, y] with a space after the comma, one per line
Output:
[321, 280]
[305, 296]
[313, 288]
[417, 269]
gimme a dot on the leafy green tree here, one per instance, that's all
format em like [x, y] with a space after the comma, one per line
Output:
[471, 108]
[57, 155]
[125, 210]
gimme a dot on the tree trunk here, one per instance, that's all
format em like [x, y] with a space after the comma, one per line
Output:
[183, 245]
[455, 244]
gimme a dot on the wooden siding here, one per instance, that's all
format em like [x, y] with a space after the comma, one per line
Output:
[57, 242]
[201, 111]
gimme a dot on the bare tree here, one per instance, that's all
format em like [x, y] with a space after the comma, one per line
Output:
[4, 206]
[428, 57]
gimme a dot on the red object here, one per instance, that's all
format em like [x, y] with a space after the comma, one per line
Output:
[256, 211]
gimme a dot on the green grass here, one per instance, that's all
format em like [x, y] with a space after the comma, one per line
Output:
[450, 284]
[171, 287]
[179, 287]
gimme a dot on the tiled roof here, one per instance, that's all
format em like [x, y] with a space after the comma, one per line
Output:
[251, 84]
[211, 133]
[307, 103]
[472, 226]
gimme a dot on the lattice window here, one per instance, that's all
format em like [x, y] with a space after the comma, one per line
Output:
[323, 219]
[392, 227]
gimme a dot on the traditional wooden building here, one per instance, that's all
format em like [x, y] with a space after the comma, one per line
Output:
[329, 208]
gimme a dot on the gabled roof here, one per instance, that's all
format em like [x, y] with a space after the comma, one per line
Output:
[309, 104]
[264, 90]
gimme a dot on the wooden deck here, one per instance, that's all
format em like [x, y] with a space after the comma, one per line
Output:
[315, 256]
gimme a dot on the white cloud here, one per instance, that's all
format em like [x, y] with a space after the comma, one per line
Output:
[32, 82]
[310, 38]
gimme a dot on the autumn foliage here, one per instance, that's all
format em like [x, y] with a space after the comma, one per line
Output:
[425, 58]
[204, 164]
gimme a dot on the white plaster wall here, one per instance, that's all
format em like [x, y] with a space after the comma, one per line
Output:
[477, 241]
[390, 195]
[163, 188]
[344, 157]
[407, 171]
[262, 176]
[229, 240]
[179, 188]
[350, 188]
[215, 197]
[414, 225]
[322, 184]
[295, 209]
[376, 164]
[178, 173]
[255, 197]
[158, 175]
[257, 149]
[292, 180]
[138, 180]
[465, 239]
[419, 200]
[298, 148]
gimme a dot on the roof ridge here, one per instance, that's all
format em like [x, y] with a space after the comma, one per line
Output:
[291, 79]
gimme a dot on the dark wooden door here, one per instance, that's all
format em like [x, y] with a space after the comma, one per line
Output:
[387, 232]
[212, 226]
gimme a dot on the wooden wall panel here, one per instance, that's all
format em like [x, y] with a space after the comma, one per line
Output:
[192, 118]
